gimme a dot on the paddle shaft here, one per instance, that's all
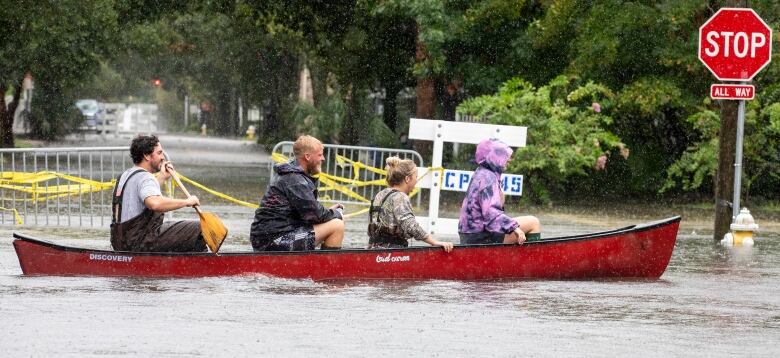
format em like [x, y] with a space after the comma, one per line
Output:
[181, 186]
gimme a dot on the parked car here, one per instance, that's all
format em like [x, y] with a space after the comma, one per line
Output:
[91, 111]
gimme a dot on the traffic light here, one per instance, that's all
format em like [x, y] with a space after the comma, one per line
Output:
[156, 82]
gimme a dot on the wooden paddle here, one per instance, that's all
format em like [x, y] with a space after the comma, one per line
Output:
[213, 230]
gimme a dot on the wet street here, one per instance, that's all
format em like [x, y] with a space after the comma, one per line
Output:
[713, 301]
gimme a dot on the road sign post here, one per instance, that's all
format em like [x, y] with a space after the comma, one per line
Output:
[735, 44]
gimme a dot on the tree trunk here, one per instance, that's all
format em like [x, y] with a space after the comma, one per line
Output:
[425, 97]
[223, 121]
[270, 123]
[349, 134]
[448, 94]
[6, 125]
[390, 114]
[7, 115]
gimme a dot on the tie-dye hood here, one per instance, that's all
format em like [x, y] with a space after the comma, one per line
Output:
[483, 205]
[493, 154]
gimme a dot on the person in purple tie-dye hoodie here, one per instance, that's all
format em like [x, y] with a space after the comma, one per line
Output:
[482, 216]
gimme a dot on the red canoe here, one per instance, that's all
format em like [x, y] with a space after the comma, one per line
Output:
[637, 251]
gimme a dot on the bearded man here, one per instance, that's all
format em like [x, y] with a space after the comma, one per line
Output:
[138, 206]
[290, 218]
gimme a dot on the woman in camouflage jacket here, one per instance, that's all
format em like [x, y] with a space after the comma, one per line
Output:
[391, 220]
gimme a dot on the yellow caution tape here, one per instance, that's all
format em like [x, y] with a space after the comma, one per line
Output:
[216, 193]
[31, 184]
[17, 217]
[359, 212]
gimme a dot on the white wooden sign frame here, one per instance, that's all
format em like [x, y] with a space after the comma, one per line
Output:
[456, 132]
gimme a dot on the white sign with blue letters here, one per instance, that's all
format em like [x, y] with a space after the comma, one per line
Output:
[458, 180]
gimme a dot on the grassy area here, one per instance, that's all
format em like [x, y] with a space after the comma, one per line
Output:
[21, 143]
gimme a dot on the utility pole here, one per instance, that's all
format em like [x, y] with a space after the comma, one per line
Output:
[724, 177]
[727, 144]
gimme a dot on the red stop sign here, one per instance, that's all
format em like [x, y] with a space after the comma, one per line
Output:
[735, 44]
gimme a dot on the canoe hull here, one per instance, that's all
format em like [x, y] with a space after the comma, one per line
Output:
[641, 251]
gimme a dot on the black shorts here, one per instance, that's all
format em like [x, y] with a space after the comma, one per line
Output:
[300, 239]
[481, 238]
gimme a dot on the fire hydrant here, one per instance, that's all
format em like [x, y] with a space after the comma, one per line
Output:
[742, 228]
[250, 133]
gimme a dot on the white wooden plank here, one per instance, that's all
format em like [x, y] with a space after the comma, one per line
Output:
[465, 132]
[442, 226]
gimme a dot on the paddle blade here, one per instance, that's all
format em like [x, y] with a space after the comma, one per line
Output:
[214, 232]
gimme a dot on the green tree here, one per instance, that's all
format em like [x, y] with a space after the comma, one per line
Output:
[60, 43]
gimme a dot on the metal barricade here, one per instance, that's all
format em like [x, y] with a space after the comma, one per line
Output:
[91, 209]
[371, 156]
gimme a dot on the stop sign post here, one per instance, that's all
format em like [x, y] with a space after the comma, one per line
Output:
[735, 44]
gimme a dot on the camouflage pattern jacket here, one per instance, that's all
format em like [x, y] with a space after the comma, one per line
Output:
[392, 221]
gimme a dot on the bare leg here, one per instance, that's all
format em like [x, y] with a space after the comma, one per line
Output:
[529, 224]
[329, 233]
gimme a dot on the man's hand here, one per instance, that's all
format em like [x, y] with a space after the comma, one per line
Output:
[165, 170]
[192, 201]
[339, 209]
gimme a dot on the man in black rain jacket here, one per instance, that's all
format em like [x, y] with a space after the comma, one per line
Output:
[290, 218]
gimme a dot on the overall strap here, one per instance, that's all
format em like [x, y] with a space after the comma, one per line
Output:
[118, 195]
[375, 209]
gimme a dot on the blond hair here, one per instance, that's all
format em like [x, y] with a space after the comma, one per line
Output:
[305, 144]
[398, 169]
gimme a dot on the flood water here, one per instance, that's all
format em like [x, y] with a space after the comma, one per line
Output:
[712, 301]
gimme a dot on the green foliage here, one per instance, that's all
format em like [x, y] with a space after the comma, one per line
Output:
[324, 122]
[61, 44]
[761, 158]
[565, 134]
[772, 114]
[649, 96]
[380, 135]
[699, 161]
[637, 59]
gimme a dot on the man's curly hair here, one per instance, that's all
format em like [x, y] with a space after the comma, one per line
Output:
[142, 145]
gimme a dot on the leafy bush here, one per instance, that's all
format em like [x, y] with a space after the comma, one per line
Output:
[566, 135]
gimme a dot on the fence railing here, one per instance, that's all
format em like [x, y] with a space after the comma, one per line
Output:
[369, 156]
[48, 200]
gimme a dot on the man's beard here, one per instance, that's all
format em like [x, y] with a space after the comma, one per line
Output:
[313, 169]
[156, 166]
